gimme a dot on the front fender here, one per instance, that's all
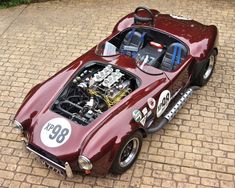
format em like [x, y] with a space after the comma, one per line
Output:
[102, 146]
[41, 96]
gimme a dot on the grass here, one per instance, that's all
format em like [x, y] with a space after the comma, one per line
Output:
[11, 3]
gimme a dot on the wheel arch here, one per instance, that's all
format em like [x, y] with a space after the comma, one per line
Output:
[143, 132]
[198, 65]
[124, 141]
[101, 148]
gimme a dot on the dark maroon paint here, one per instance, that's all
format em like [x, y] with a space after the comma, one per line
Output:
[101, 139]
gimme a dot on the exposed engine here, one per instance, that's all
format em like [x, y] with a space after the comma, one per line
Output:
[94, 90]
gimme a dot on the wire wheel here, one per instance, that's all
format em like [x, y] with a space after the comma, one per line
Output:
[210, 66]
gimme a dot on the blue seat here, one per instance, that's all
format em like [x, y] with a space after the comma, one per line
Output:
[132, 43]
[173, 57]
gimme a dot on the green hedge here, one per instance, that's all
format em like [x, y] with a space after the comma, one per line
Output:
[10, 3]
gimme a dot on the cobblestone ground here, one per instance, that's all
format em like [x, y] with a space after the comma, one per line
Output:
[197, 149]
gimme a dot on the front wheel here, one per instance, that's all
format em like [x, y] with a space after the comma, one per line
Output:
[127, 154]
[206, 71]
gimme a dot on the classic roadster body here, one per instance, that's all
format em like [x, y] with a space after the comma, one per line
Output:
[91, 116]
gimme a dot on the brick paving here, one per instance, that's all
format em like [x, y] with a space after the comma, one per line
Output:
[197, 149]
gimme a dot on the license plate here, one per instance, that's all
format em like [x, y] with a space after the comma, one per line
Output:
[53, 168]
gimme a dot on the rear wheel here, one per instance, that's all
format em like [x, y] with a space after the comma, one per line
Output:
[206, 71]
[127, 154]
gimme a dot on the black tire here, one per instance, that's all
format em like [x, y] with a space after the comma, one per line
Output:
[124, 159]
[206, 70]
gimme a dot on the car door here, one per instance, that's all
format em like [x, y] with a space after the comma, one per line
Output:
[180, 78]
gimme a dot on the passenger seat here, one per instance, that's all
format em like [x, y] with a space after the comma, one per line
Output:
[175, 53]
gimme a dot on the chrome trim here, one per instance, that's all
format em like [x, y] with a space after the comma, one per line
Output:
[85, 159]
[57, 165]
[67, 167]
[17, 125]
[68, 170]
[53, 168]
[25, 140]
[170, 115]
[210, 67]
[130, 155]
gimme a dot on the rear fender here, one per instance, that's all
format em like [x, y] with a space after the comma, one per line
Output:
[197, 65]
[202, 50]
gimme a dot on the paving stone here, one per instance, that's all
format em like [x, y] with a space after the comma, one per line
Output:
[51, 182]
[197, 149]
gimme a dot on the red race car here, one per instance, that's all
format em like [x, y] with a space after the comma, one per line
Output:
[92, 115]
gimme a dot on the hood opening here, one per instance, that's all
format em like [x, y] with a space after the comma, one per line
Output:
[92, 91]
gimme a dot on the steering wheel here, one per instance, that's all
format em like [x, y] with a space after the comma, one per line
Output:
[141, 19]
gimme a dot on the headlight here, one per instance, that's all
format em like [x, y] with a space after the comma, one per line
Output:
[84, 163]
[18, 127]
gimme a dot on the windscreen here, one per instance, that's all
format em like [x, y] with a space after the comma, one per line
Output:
[106, 49]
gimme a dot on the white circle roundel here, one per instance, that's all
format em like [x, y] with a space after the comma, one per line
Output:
[163, 102]
[55, 132]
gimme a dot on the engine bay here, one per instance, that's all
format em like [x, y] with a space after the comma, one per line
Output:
[93, 90]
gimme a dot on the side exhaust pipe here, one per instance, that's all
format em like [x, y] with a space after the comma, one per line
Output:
[171, 114]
